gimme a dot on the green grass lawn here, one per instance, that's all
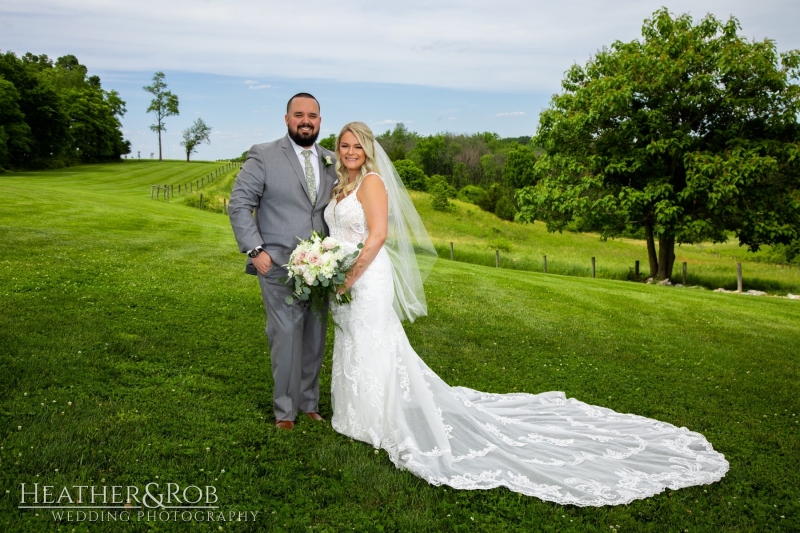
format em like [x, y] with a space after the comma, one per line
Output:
[132, 351]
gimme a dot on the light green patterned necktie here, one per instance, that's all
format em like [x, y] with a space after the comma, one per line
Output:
[312, 183]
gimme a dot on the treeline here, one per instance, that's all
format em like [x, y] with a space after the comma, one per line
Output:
[53, 114]
[481, 168]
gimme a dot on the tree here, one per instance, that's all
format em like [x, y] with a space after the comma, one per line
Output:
[441, 192]
[691, 133]
[195, 135]
[54, 113]
[329, 142]
[398, 142]
[432, 155]
[42, 107]
[489, 169]
[459, 178]
[518, 171]
[164, 104]
[413, 177]
[15, 134]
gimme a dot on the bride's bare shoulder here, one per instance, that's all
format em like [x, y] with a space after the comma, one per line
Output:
[371, 185]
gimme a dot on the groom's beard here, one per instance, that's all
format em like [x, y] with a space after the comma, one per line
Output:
[302, 138]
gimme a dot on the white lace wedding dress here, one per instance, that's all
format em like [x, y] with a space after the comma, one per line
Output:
[545, 445]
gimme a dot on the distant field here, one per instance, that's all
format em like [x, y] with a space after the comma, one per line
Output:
[132, 350]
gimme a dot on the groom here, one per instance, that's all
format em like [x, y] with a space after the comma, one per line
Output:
[287, 183]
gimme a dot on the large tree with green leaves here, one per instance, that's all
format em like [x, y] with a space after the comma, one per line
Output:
[691, 132]
[196, 134]
[52, 114]
[164, 104]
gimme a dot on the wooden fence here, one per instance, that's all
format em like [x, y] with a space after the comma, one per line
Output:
[683, 272]
[165, 192]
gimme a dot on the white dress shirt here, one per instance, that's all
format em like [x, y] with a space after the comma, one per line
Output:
[314, 160]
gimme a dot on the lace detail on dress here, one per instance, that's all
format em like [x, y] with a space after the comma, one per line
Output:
[542, 445]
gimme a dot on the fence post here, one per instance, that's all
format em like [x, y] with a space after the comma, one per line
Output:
[497, 258]
[684, 273]
[544, 262]
[166, 192]
[452, 255]
[158, 192]
[201, 201]
[739, 277]
[225, 206]
[172, 190]
[636, 270]
[593, 269]
[151, 191]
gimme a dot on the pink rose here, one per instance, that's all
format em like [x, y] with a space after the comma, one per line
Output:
[329, 243]
[300, 257]
[314, 259]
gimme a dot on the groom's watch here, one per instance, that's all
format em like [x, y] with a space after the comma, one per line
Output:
[255, 251]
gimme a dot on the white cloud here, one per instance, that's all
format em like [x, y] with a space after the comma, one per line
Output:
[501, 46]
[504, 45]
[511, 114]
[253, 84]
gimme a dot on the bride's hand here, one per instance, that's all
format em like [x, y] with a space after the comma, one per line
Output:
[345, 287]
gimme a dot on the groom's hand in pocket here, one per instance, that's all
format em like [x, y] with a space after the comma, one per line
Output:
[262, 262]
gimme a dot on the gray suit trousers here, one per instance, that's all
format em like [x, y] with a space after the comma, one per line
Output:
[296, 346]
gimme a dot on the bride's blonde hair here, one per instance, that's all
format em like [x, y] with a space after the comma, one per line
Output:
[366, 139]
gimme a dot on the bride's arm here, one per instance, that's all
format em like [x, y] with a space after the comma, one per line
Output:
[373, 198]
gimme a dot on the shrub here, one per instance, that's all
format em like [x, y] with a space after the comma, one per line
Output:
[494, 194]
[499, 243]
[472, 194]
[440, 198]
[505, 208]
[438, 179]
[413, 177]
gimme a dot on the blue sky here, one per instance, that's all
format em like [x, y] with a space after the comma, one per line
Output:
[461, 66]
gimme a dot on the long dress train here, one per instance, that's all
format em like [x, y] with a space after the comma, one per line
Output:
[545, 445]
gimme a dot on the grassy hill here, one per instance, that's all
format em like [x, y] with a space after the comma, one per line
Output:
[132, 346]
[476, 235]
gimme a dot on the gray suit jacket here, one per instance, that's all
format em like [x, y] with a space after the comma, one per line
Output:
[272, 182]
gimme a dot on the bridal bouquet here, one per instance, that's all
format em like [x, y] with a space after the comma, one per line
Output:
[317, 269]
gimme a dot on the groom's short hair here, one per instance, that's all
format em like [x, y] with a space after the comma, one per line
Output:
[301, 95]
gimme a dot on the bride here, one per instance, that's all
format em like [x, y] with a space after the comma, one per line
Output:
[544, 445]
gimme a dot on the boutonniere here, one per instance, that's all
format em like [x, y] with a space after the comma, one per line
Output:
[327, 161]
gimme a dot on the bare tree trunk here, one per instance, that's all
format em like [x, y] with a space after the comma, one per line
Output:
[159, 145]
[651, 248]
[666, 256]
[187, 156]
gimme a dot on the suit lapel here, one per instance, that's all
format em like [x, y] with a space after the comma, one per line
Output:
[288, 151]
